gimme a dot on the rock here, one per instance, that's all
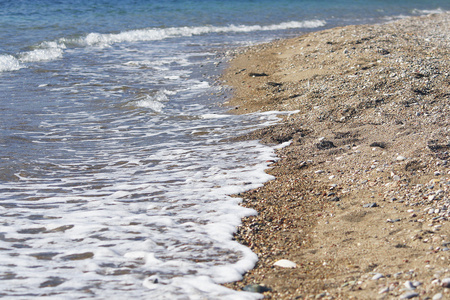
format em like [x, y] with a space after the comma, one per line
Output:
[253, 74]
[274, 84]
[438, 296]
[284, 263]
[323, 145]
[377, 276]
[78, 256]
[378, 144]
[445, 282]
[370, 205]
[335, 199]
[409, 295]
[400, 158]
[256, 288]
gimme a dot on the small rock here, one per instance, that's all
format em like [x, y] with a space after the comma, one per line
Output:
[384, 290]
[256, 288]
[284, 263]
[335, 199]
[445, 282]
[409, 295]
[377, 276]
[323, 145]
[370, 205]
[253, 74]
[378, 144]
[437, 296]
[400, 158]
[409, 285]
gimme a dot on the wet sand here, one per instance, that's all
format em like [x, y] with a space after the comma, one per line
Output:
[361, 199]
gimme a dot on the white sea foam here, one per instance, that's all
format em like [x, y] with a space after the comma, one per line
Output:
[9, 63]
[155, 102]
[152, 34]
[428, 11]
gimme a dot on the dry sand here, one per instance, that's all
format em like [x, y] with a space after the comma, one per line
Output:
[361, 199]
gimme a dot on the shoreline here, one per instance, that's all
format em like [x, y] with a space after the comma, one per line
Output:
[361, 199]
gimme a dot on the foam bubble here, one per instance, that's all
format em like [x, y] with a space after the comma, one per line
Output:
[45, 52]
[9, 63]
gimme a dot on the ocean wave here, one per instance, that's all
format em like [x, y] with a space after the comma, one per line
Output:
[52, 50]
[153, 34]
[9, 63]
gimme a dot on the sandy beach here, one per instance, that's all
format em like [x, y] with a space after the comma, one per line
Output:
[361, 200]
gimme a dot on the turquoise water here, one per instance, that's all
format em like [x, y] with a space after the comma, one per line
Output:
[115, 159]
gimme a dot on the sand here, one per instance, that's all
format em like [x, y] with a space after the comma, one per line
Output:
[361, 199]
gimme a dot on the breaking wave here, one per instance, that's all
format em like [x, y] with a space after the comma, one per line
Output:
[53, 50]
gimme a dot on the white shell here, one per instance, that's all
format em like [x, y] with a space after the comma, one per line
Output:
[284, 263]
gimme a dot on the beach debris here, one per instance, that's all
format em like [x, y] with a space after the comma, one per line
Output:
[284, 263]
[256, 288]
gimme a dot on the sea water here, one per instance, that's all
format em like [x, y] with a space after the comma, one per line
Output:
[117, 162]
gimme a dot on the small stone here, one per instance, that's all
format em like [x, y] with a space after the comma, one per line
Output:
[284, 263]
[335, 199]
[323, 145]
[400, 158]
[256, 288]
[319, 171]
[378, 144]
[445, 282]
[437, 173]
[409, 295]
[384, 290]
[409, 285]
[377, 276]
[370, 205]
[438, 296]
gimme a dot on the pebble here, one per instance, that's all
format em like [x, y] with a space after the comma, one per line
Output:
[400, 158]
[284, 263]
[446, 282]
[377, 276]
[438, 296]
[370, 205]
[256, 288]
[409, 295]
[409, 285]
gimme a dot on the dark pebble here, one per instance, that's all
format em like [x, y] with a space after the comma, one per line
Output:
[370, 205]
[256, 288]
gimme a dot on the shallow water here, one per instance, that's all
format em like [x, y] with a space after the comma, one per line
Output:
[116, 163]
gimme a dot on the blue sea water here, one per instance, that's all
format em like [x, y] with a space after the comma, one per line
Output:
[116, 165]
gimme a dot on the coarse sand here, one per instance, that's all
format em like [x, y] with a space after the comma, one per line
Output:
[361, 199]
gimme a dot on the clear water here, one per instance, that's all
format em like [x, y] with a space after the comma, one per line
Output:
[115, 159]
